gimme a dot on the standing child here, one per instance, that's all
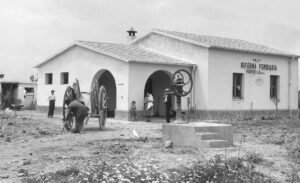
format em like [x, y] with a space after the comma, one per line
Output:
[133, 111]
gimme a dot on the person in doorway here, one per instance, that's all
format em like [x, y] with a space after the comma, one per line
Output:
[148, 106]
[133, 111]
[24, 93]
[80, 112]
[168, 103]
[51, 100]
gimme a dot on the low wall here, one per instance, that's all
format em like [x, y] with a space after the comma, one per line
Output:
[240, 114]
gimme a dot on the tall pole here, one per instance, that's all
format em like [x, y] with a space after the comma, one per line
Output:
[178, 109]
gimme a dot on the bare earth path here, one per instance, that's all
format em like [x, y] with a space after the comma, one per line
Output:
[32, 145]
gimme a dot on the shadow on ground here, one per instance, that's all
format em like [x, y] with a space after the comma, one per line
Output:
[93, 129]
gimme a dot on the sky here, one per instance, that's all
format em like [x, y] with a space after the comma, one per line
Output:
[33, 30]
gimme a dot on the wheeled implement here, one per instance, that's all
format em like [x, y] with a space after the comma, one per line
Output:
[182, 84]
[97, 96]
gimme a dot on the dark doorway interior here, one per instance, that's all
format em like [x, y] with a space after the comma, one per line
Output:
[148, 87]
[156, 85]
[9, 94]
[106, 79]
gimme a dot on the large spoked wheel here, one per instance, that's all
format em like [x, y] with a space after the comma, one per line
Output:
[68, 119]
[102, 107]
[182, 82]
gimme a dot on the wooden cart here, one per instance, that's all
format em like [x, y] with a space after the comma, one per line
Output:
[97, 96]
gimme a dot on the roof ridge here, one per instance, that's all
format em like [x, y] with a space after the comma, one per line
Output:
[238, 39]
[214, 42]
[78, 41]
[164, 31]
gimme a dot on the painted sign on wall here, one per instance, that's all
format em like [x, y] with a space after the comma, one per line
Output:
[257, 67]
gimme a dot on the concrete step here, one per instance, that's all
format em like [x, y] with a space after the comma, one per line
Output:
[198, 134]
[211, 129]
[207, 136]
[217, 143]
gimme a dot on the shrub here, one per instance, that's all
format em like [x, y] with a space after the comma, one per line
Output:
[68, 171]
[218, 170]
[293, 150]
[253, 157]
[215, 170]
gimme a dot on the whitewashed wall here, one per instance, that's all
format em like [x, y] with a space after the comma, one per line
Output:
[21, 88]
[222, 65]
[138, 75]
[82, 64]
[185, 51]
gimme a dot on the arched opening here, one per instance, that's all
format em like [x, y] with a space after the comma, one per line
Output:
[156, 85]
[106, 79]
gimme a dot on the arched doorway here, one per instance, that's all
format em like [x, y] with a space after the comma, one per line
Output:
[156, 84]
[105, 78]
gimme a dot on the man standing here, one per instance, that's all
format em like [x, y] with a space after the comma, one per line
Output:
[80, 111]
[168, 102]
[51, 100]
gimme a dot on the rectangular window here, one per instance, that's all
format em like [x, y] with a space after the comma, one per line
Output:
[48, 78]
[64, 78]
[274, 83]
[237, 86]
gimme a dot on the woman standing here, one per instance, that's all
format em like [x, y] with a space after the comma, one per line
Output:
[148, 106]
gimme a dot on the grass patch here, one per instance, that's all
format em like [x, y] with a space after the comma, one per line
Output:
[293, 150]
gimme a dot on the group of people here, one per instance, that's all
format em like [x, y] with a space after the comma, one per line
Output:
[167, 99]
[81, 112]
[148, 106]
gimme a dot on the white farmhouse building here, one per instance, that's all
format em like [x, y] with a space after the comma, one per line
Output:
[231, 77]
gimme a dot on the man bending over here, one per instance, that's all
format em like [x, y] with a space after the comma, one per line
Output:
[80, 112]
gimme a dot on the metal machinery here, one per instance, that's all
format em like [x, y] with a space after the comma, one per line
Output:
[182, 84]
[97, 96]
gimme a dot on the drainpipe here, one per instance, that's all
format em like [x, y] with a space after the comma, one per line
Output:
[289, 87]
[1, 102]
[193, 89]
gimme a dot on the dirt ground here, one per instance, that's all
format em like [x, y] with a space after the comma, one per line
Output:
[32, 145]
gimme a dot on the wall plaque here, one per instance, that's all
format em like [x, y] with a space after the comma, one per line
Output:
[259, 81]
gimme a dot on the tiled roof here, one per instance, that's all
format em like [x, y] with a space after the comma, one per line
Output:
[224, 43]
[131, 53]
[127, 53]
